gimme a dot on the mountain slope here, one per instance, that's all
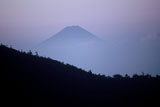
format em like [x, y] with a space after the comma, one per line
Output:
[36, 81]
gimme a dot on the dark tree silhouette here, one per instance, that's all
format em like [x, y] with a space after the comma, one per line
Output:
[117, 76]
[29, 53]
[127, 76]
[36, 53]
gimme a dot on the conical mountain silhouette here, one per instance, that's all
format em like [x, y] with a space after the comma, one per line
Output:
[70, 35]
[73, 45]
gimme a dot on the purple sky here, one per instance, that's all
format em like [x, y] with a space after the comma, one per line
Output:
[27, 22]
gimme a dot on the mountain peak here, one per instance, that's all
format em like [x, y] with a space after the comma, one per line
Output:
[71, 34]
[74, 26]
[74, 29]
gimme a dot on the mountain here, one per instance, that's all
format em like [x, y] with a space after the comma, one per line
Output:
[70, 35]
[73, 45]
[32, 80]
[118, 54]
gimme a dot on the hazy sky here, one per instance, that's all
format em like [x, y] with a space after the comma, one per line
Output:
[131, 29]
[26, 22]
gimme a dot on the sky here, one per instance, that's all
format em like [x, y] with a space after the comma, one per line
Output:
[29, 22]
[131, 28]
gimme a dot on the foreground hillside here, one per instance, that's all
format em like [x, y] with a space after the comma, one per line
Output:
[31, 80]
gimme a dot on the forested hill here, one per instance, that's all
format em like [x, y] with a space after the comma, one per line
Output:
[31, 80]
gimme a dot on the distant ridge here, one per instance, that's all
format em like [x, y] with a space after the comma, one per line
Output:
[32, 80]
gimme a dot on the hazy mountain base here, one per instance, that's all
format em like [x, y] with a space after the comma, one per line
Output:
[29, 80]
[120, 54]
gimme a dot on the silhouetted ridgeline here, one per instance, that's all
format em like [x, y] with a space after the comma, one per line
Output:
[31, 80]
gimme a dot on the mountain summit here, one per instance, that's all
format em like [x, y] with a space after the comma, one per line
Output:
[71, 34]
